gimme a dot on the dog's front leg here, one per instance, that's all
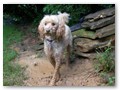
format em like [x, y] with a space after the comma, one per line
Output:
[56, 74]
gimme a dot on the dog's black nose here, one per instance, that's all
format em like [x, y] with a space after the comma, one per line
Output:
[48, 30]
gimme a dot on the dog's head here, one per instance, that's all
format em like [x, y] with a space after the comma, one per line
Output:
[53, 25]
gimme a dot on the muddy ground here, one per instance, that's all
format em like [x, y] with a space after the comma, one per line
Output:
[39, 70]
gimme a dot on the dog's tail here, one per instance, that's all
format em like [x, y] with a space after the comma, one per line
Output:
[64, 16]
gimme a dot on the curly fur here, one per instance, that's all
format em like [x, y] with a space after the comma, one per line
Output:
[55, 32]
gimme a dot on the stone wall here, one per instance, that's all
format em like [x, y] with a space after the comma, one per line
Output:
[95, 32]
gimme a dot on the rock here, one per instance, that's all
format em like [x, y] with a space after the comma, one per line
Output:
[86, 55]
[105, 31]
[35, 64]
[98, 24]
[98, 32]
[84, 33]
[87, 45]
[110, 37]
[38, 47]
[100, 14]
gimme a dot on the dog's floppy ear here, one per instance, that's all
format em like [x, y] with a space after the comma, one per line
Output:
[61, 31]
[41, 30]
[64, 16]
[63, 19]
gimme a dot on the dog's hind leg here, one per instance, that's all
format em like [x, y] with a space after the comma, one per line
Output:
[68, 55]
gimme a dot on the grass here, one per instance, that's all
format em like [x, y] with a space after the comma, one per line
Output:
[13, 74]
[110, 79]
[105, 60]
[105, 65]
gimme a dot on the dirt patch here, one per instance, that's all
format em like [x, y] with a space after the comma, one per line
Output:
[39, 70]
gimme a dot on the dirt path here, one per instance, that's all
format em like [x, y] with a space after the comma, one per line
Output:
[39, 70]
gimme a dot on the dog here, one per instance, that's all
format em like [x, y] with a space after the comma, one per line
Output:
[57, 37]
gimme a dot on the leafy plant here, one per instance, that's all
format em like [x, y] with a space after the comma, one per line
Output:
[105, 60]
[33, 13]
[111, 81]
[105, 64]
[76, 11]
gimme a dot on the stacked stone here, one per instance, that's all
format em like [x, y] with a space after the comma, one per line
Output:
[98, 31]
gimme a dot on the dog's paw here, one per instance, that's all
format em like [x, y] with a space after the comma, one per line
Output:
[51, 84]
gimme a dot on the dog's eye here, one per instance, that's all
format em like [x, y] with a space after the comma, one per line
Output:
[45, 23]
[53, 24]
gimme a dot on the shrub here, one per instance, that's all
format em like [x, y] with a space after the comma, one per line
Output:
[76, 11]
[105, 60]
[105, 65]
[28, 13]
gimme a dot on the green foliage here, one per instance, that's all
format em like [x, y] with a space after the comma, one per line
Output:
[111, 81]
[9, 55]
[12, 72]
[106, 5]
[76, 11]
[84, 33]
[24, 12]
[105, 64]
[37, 20]
[10, 35]
[35, 12]
[105, 60]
